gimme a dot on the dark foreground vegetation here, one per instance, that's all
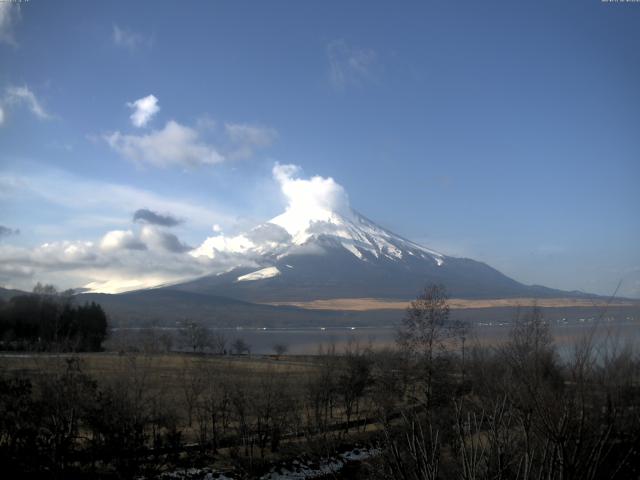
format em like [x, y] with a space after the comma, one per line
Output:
[48, 320]
[438, 406]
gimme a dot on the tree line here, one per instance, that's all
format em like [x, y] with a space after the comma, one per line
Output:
[47, 320]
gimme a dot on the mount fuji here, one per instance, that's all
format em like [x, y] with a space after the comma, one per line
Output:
[312, 252]
[319, 250]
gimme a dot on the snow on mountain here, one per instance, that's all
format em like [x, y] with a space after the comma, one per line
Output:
[358, 235]
[318, 208]
[261, 274]
[288, 232]
[321, 248]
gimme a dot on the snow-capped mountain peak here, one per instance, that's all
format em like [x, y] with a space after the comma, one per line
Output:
[318, 215]
[280, 236]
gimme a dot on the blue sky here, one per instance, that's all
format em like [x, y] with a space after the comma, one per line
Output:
[508, 132]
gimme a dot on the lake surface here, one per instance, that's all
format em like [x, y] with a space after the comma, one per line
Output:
[308, 340]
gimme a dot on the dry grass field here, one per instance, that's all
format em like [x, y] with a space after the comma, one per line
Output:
[364, 304]
[165, 371]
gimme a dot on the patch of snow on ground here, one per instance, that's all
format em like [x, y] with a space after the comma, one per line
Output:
[259, 274]
[300, 471]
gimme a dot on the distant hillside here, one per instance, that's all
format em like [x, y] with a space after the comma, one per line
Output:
[168, 307]
[7, 294]
[164, 307]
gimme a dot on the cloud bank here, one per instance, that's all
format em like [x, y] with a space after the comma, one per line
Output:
[115, 253]
[119, 261]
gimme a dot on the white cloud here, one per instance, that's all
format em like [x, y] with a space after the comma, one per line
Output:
[349, 65]
[178, 145]
[121, 239]
[162, 240]
[64, 254]
[76, 264]
[144, 109]
[125, 38]
[15, 96]
[1, 116]
[308, 200]
[125, 257]
[9, 15]
[246, 248]
[307, 195]
[174, 145]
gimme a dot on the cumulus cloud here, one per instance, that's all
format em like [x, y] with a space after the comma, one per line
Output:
[9, 16]
[184, 146]
[7, 232]
[144, 109]
[84, 264]
[16, 96]
[246, 248]
[349, 65]
[63, 255]
[126, 38]
[246, 138]
[145, 215]
[120, 258]
[121, 239]
[174, 145]
[308, 195]
[268, 233]
[163, 240]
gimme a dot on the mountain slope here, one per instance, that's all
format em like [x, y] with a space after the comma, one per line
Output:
[320, 253]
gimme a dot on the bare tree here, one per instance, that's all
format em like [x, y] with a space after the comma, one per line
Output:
[425, 331]
[193, 385]
[218, 343]
[280, 349]
[240, 347]
[413, 452]
[353, 379]
[196, 336]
